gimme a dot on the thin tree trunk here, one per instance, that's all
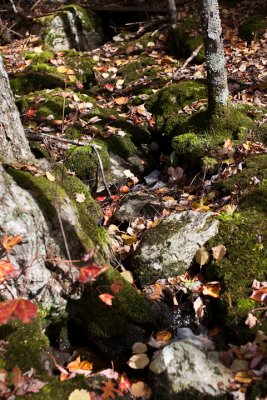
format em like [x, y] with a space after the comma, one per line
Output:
[215, 61]
[172, 13]
[13, 143]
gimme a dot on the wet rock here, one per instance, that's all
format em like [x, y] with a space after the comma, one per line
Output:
[187, 365]
[169, 248]
[72, 27]
[135, 205]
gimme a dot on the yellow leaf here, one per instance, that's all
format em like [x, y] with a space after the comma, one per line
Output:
[202, 256]
[243, 377]
[79, 394]
[121, 100]
[127, 239]
[218, 252]
[69, 71]
[72, 78]
[50, 177]
[138, 361]
[62, 69]
[127, 275]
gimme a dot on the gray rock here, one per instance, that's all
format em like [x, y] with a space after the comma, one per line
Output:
[137, 204]
[169, 248]
[72, 27]
[188, 364]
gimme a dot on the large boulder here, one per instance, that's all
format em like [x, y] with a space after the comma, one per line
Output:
[169, 248]
[188, 366]
[72, 27]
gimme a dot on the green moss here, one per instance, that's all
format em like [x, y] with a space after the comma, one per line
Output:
[27, 345]
[106, 322]
[189, 147]
[84, 162]
[26, 82]
[167, 104]
[209, 164]
[83, 67]
[122, 146]
[137, 69]
[246, 258]
[74, 132]
[182, 44]
[253, 28]
[42, 57]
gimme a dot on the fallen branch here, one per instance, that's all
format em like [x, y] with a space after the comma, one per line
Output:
[41, 137]
[189, 59]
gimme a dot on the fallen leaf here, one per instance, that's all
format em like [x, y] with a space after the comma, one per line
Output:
[211, 289]
[90, 272]
[128, 276]
[106, 298]
[242, 377]
[141, 389]
[116, 286]
[80, 197]
[139, 348]
[8, 242]
[79, 394]
[251, 320]
[163, 336]
[218, 252]
[124, 189]
[138, 361]
[79, 365]
[23, 309]
[6, 270]
[128, 173]
[62, 69]
[119, 84]
[50, 177]
[199, 307]
[202, 256]
[128, 240]
[109, 391]
[121, 100]
[124, 383]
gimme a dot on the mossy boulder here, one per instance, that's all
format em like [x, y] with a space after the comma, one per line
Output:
[71, 27]
[189, 148]
[244, 236]
[138, 69]
[253, 28]
[167, 105]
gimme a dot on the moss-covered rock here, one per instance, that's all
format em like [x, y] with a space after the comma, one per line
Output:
[72, 27]
[182, 44]
[189, 148]
[168, 102]
[27, 345]
[137, 69]
[244, 235]
[253, 28]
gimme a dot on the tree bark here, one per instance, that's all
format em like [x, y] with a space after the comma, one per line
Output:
[14, 146]
[215, 61]
[172, 13]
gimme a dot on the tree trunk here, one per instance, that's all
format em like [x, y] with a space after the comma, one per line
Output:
[172, 13]
[14, 146]
[215, 61]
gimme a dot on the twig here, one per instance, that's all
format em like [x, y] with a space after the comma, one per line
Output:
[43, 136]
[14, 7]
[189, 59]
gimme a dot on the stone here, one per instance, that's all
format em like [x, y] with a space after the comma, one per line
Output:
[169, 248]
[186, 365]
[137, 204]
[72, 27]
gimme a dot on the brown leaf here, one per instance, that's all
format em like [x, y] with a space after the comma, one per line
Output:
[218, 252]
[138, 361]
[202, 256]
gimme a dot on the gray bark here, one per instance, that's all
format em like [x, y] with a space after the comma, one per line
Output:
[215, 61]
[14, 146]
[172, 13]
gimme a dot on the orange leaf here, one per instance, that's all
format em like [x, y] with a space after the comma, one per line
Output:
[212, 289]
[78, 364]
[124, 384]
[124, 189]
[23, 309]
[90, 272]
[106, 298]
[6, 270]
[109, 391]
[163, 336]
[8, 242]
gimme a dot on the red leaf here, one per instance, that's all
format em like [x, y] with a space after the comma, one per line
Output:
[106, 298]
[90, 272]
[31, 112]
[23, 309]
[6, 270]
[109, 87]
[116, 286]
[124, 384]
